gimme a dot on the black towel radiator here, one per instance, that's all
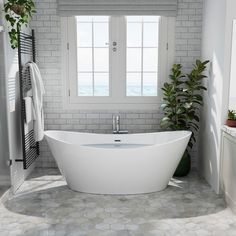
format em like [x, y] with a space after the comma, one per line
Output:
[26, 53]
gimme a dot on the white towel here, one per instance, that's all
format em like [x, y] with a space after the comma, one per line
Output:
[29, 110]
[29, 93]
[37, 91]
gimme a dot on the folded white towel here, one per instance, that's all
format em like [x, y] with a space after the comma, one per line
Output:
[37, 91]
[29, 110]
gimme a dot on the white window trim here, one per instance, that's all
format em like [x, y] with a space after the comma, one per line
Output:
[117, 99]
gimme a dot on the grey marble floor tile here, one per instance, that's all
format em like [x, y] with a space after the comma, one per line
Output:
[45, 206]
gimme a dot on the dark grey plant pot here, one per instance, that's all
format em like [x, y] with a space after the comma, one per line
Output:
[184, 165]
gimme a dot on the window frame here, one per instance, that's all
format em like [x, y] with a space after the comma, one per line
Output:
[117, 98]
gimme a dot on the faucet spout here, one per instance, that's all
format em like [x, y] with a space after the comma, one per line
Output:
[116, 126]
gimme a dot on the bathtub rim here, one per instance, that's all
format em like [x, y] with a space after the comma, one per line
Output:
[47, 132]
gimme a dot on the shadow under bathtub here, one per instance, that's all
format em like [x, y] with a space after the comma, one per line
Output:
[183, 198]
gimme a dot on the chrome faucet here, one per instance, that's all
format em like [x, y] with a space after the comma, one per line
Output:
[116, 125]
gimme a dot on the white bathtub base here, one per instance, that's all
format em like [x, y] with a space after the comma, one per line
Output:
[115, 192]
[121, 169]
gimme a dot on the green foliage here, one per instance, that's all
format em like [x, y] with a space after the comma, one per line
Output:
[182, 98]
[17, 13]
[231, 115]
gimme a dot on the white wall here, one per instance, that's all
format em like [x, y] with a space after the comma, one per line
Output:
[232, 93]
[12, 132]
[216, 46]
[4, 148]
[18, 174]
[229, 55]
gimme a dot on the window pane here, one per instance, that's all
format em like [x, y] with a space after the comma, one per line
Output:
[84, 35]
[134, 34]
[150, 62]
[84, 59]
[100, 18]
[151, 18]
[101, 59]
[149, 84]
[134, 18]
[101, 37]
[142, 61]
[92, 18]
[93, 55]
[101, 84]
[133, 84]
[85, 84]
[84, 18]
[150, 34]
[134, 59]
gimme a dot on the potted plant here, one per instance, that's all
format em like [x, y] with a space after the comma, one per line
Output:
[17, 14]
[182, 98]
[231, 121]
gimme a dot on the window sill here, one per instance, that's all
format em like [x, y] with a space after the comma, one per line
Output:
[111, 106]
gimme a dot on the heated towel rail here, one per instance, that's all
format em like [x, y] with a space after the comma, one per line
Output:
[26, 53]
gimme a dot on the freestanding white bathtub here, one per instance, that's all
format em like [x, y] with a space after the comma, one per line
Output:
[117, 163]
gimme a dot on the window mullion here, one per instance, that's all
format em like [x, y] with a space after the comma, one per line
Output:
[93, 56]
[118, 57]
[142, 61]
[110, 56]
[123, 54]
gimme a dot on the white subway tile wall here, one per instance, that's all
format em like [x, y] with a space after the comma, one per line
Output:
[46, 23]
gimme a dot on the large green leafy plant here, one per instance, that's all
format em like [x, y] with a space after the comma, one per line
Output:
[17, 13]
[182, 98]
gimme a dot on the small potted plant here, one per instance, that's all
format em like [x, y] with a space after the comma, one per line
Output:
[17, 14]
[231, 121]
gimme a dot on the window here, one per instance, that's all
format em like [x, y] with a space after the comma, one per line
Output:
[92, 55]
[114, 61]
[142, 55]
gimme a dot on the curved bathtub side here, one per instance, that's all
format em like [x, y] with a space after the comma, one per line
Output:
[117, 171]
[59, 151]
[130, 171]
